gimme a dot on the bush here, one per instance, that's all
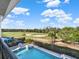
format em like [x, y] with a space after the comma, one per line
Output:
[28, 40]
[21, 39]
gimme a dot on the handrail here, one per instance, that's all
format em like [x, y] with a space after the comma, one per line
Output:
[6, 52]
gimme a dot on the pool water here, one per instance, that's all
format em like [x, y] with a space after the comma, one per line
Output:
[34, 53]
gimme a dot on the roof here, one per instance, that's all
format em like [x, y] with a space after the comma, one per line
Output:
[6, 6]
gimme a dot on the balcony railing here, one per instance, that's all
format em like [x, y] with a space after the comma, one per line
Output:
[6, 53]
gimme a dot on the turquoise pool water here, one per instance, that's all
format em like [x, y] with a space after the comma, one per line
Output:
[34, 53]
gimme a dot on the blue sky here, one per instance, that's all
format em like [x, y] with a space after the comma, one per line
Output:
[42, 13]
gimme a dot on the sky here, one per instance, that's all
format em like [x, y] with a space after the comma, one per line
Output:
[30, 14]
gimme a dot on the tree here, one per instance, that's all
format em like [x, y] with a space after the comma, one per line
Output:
[69, 34]
[52, 35]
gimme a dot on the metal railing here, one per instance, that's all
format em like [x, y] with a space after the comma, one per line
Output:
[6, 53]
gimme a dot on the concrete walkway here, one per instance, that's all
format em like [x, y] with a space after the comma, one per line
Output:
[58, 43]
[72, 46]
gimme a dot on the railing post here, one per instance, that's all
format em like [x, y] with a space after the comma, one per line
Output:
[0, 38]
[1, 50]
[6, 52]
[1, 18]
[0, 27]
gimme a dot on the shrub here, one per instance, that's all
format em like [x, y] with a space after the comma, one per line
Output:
[28, 40]
[21, 39]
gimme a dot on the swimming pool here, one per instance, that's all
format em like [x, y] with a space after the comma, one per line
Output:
[34, 53]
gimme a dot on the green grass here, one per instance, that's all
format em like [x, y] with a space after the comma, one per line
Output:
[27, 35]
[20, 34]
[12, 34]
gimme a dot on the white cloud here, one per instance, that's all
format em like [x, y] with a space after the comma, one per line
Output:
[55, 3]
[45, 20]
[66, 1]
[59, 14]
[61, 25]
[57, 25]
[53, 24]
[10, 23]
[47, 13]
[20, 10]
[76, 21]
[27, 13]
[46, 0]
[9, 16]
[7, 21]
[52, 3]
[20, 23]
